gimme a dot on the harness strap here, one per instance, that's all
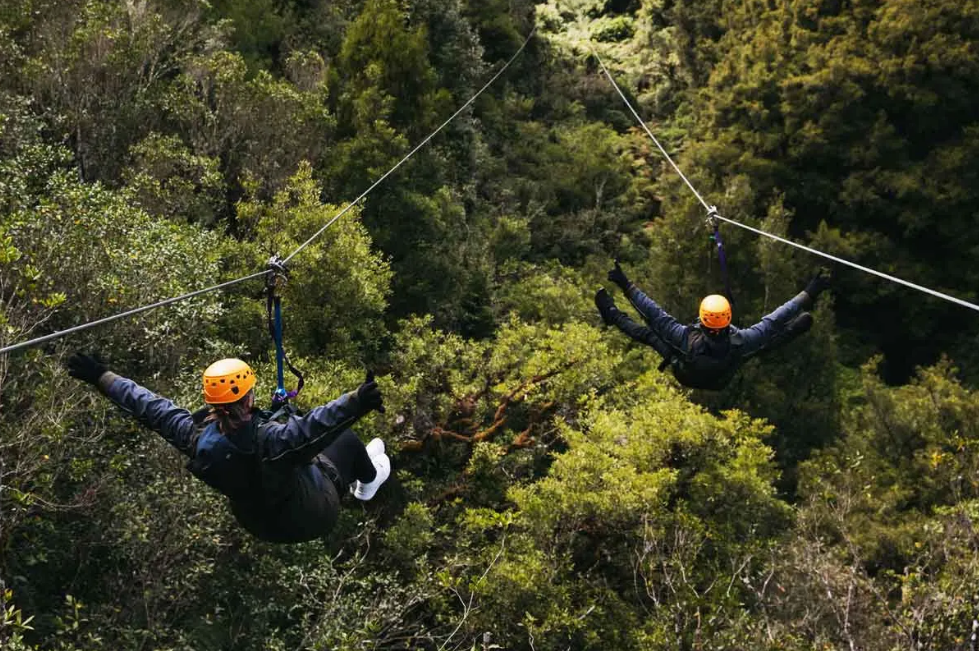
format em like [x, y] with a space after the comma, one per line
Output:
[712, 223]
[273, 308]
[284, 409]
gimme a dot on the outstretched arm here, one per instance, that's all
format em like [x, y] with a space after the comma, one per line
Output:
[302, 438]
[662, 324]
[174, 424]
[612, 315]
[762, 333]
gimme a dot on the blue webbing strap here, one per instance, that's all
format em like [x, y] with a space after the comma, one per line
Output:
[276, 278]
[280, 387]
[721, 256]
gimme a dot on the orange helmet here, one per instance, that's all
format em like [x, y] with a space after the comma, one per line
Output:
[227, 381]
[715, 312]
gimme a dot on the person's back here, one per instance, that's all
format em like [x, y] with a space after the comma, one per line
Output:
[274, 502]
[710, 361]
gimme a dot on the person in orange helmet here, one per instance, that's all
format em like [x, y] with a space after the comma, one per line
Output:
[707, 353]
[283, 480]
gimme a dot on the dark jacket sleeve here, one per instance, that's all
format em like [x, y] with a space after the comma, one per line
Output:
[174, 424]
[665, 326]
[302, 438]
[762, 333]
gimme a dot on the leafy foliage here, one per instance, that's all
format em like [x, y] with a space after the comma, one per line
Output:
[551, 489]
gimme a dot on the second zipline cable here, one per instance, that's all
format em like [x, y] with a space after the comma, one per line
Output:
[711, 210]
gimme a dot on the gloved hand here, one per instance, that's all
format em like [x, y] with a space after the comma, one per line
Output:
[617, 276]
[87, 368]
[606, 306]
[817, 285]
[369, 396]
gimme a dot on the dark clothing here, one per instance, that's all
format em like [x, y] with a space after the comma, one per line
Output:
[283, 481]
[349, 460]
[700, 359]
[798, 326]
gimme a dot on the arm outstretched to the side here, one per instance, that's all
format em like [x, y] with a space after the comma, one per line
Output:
[173, 423]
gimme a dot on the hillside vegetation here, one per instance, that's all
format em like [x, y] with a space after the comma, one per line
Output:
[552, 489]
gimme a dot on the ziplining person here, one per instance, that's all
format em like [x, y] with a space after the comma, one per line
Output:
[707, 353]
[713, 216]
[283, 481]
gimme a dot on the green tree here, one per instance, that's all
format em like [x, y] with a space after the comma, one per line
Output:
[338, 286]
[169, 181]
[260, 127]
[637, 534]
[97, 70]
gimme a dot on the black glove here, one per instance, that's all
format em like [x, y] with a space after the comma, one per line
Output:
[617, 276]
[817, 285]
[369, 396]
[606, 306]
[87, 368]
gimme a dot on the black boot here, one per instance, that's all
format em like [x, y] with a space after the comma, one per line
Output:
[606, 306]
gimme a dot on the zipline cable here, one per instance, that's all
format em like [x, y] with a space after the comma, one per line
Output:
[880, 274]
[121, 315]
[417, 147]
[707, 207]
[169, 301]
[712, 211]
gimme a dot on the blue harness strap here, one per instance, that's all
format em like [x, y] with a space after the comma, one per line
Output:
[721, 256]
[275, 280]
[280, 354]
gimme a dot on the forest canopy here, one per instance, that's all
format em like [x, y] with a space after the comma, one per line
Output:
[552, 489]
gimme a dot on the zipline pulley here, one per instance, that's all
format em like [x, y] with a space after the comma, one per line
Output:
[276, 279]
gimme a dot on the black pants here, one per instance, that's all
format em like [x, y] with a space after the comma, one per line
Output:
[641, 333]
[346, 460]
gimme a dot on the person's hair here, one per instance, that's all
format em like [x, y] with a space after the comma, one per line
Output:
[231, 416]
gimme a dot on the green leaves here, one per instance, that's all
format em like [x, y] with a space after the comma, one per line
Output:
[260, 127]
[338, 286]
[170, 181]
[381, 54]
[659, 480]
[8, 252]
[551, 490]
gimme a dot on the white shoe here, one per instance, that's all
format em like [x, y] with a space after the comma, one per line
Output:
[375, 447]
[366, 491]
